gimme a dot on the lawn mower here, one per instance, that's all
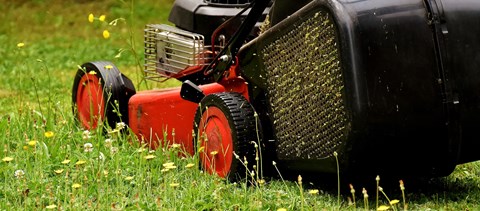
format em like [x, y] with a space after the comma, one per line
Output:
[360, 86]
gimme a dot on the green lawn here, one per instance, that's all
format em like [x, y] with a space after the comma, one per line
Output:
[47, 161]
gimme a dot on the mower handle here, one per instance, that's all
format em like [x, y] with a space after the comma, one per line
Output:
[225, 58]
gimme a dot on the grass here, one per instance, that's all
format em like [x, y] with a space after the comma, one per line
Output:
[40, 135]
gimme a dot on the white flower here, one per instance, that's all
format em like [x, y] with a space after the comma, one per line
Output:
[86, 135]
[19, 174]
[88, 147]
[113, 150]
[108, 143]
[101, 156]
[120, 126]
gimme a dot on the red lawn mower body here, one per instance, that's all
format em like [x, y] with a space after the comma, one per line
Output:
[163, 115]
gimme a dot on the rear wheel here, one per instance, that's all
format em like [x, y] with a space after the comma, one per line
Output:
[224, 125]
[100, 92]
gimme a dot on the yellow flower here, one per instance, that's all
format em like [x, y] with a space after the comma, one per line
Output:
[7, 159]
[76, 185]
[92, 73]
[313, 191]
[170, 167]
[49, 134]
[91, 18]
[106, 34]
[174, 184]
[190, 165]
[201, 149]
[395, 201]
[101, 18]
[129, 178]
[282, 209]
[58, 171]
[66, 161]
[80, 162]
[165, 170]
[168, 164]
[21, 44]
[383, 207]
[149, 157]
[25, 147]
[213, 153]
[109, 67]
[32, 143]
[51, 207]
[175, 146]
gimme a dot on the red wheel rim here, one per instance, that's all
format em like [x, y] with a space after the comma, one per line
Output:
[90, 101]
[218, 147]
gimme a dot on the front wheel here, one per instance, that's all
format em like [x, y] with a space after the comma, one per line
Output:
[225, 124]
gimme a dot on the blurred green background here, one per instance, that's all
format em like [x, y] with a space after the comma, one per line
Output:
[58, 37]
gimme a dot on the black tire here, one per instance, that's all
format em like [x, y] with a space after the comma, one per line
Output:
[241, 121]
[115, 88]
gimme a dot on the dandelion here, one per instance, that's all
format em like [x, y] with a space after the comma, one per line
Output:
[149, 157]
[7, 159]
[91, 18]
[88, 147]
[190, 165]
[113, 150]
[58, 171]
[20, 45]
[32, 143]
[282, 209]
[76, 186]
[25, 147]
[365, 198]
[168, 164]
[352, 191]
[395, 201]
[174, 184]
[164, 170]
[129, 178]
[383, 207]
[402, 188]
[175, 146]
[106, 34]
[92, 72]
[108, 142]
[19, 174]
[80, 162]
[102, 18]
[313, 191]
[49, 134]
[119, 125]
[171, 167]
[66, 161]
[51, 207]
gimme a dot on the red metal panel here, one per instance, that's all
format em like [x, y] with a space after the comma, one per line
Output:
[155, 114]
